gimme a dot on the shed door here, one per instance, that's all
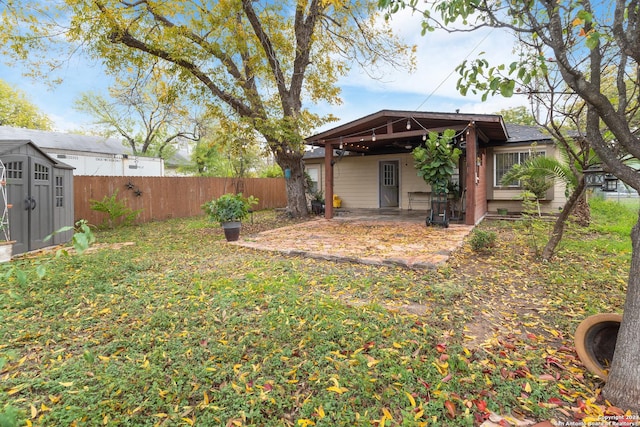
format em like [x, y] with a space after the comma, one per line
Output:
[389, 185]
[29, 190]
[41, 212]
[17, 192]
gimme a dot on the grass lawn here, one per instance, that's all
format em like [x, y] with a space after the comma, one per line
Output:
[182, 328]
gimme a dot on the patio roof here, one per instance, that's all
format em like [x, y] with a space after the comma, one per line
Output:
[394, 130]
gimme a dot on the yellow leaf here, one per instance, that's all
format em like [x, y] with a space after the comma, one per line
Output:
[320, 412]
[527, 387]
[66, 384]
[411, 399]
[29, 423]
[160, 415]
[338, 390]
[105, 311]
[418, 414]
[188, 421]
[397, 345]
[34, 411]
[577, 22]
[387, 414]
[206, 398]
[305, 422]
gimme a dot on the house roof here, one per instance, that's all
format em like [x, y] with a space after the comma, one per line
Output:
[65, 141]
[379, 131]
[394, 130]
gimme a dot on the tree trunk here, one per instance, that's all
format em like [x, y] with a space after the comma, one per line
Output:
[582, 212]
[295, 183]
[623, 384]
[558, 227]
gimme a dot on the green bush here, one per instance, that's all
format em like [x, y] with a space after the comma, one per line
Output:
[481, 240]
[119, 214]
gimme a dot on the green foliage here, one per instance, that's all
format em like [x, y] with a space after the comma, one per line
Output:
[482, 239]
[437, 160]
[518, 115]
[618, 217]
[10, 417]
[532, 224]
[16, 110]
[82, 239]
[229, 207]
[119, 214]
[272, 171]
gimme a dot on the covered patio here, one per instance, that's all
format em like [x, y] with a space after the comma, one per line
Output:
[391, 132]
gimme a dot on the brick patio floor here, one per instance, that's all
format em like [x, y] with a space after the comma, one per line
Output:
[402, 241]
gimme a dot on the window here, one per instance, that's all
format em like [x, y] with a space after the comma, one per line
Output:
[313, 175]
[389, 175]
[14, 170]
[40, 172]
[59, 192]
[505, 161]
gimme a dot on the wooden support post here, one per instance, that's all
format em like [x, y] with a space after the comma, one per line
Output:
[471, 179]
[328, 180]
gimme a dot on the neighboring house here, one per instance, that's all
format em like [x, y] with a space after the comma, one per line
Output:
[89, 155]
[373, 167]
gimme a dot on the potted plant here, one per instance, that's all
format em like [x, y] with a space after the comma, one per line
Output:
[317, 203]
[435, 162]
[229, 210]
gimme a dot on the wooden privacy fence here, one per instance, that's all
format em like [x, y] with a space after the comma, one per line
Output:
[170, 197]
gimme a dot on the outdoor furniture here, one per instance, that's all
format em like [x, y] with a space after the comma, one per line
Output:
[419, 197]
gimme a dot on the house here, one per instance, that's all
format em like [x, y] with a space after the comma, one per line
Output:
[373, 165]
[88, 154]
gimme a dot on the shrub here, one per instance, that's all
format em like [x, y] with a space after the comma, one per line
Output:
[119, 214]
[481, 240]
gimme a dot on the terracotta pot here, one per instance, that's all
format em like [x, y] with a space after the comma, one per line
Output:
[595, 342]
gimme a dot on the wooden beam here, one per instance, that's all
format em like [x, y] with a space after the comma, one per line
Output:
[328, 180]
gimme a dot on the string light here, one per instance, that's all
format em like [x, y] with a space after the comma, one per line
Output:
[373, 138]
[409, 124]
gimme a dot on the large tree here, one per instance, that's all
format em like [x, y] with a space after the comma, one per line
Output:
[253, 61]
[583, 41]
[148, 109]
[16, 110]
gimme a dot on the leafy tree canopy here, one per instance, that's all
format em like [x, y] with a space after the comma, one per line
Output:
[256, 62]
[16, 110]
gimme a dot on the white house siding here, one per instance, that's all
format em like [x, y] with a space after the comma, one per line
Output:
[106, 164]
[356, 180]
[507, 198]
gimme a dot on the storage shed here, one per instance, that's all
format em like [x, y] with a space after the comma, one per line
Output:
[40, 193]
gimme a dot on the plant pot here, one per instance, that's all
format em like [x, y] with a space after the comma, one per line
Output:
[595, 342]
[317, 207]
[6, 251]
[231, 230]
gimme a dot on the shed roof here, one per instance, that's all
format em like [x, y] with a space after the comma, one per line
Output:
[8, 146]
[65, 141]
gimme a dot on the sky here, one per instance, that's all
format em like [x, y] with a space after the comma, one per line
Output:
[432, 87]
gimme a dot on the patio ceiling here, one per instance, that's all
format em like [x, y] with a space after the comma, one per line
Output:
[393, 130]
